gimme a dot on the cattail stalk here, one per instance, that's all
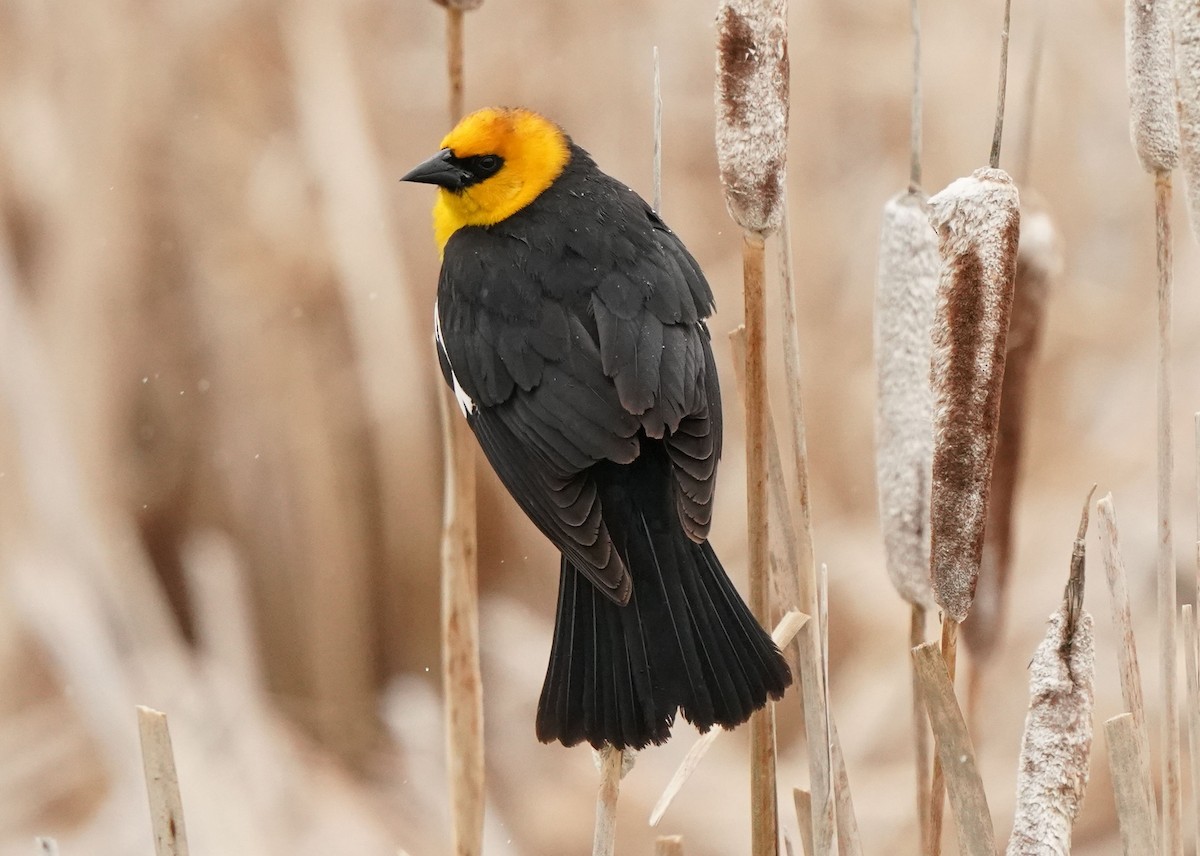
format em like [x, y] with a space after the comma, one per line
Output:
[162, 784]
[1127, 759]
[1127, 659]
[751, 132]
[1053, 772]
[1154, 129]
[461, 679]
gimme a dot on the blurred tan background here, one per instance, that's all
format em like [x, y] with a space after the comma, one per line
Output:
[220, 481]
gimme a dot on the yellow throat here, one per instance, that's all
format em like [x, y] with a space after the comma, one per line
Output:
[534, 150]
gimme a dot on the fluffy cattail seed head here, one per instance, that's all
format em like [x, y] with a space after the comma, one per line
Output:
[978, 223]
[752, 110]
[1150, 75]
[905, 294]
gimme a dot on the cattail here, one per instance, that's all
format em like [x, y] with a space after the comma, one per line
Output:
[1153, 125]
[978, 222]
[1187, 75]
[1039, 263]
[752, 110]
[1053, 772]
[905, 294]
[751, 133]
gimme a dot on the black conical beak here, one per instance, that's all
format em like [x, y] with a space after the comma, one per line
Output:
[440, 170]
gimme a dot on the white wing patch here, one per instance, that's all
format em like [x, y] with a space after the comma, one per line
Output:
[464, 401]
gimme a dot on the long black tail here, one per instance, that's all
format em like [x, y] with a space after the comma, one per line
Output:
[685, 640]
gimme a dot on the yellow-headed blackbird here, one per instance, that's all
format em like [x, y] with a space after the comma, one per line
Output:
[570, 325]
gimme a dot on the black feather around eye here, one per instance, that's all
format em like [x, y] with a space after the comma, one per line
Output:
[483, 166]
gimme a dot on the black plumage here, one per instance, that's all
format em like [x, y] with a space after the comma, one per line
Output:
[573, 333]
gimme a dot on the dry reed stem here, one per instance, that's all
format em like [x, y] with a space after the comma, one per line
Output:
[803, 800]
[162, 784]
[978, 223]
[937, 788]
[1002, 87]
[658, 119]
[764, 811]
[906, 288]
[1052, 774]
[461, 679]
[1193, 712]
[802, 575]
[816, 728]
[1127, 659]
[752, 110]
[849, 840]
[783, 635]
[1196, 417]
[1126, 761]
[786, 580]
[1153, 124]
[668, 845]
[967, 798]
[1025, 139]
[1172, 839]
[915, 102]
[916, 636]
[611, 762]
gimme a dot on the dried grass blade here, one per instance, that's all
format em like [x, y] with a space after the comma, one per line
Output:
[162, 784]
[1052, 775]
[1127, 760]
[967, 798]
[1127, 658]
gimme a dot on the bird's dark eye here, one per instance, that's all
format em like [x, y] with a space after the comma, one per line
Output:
[488, 164]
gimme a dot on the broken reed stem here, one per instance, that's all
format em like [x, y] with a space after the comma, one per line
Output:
[764, 812]
[604, 841]
[954, 749]
[994, 160]
[1126, 760]
[668, 845]
[461, 680]
[162, 784]
[1193, 711]
[937, 798]
[1172, 802]
[803, 800]
[916, 636]
[1127, 659]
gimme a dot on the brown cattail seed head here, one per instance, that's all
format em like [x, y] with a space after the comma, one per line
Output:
[905, 293]
[978, 223]
[1187, 67]
[1150, 75]
[752, 110]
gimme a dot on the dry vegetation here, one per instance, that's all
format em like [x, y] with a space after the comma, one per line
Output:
[220, 493]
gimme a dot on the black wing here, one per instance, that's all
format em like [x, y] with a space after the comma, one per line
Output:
[573, 332]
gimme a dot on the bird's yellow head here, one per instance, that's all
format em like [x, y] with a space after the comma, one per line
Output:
[494, 163]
